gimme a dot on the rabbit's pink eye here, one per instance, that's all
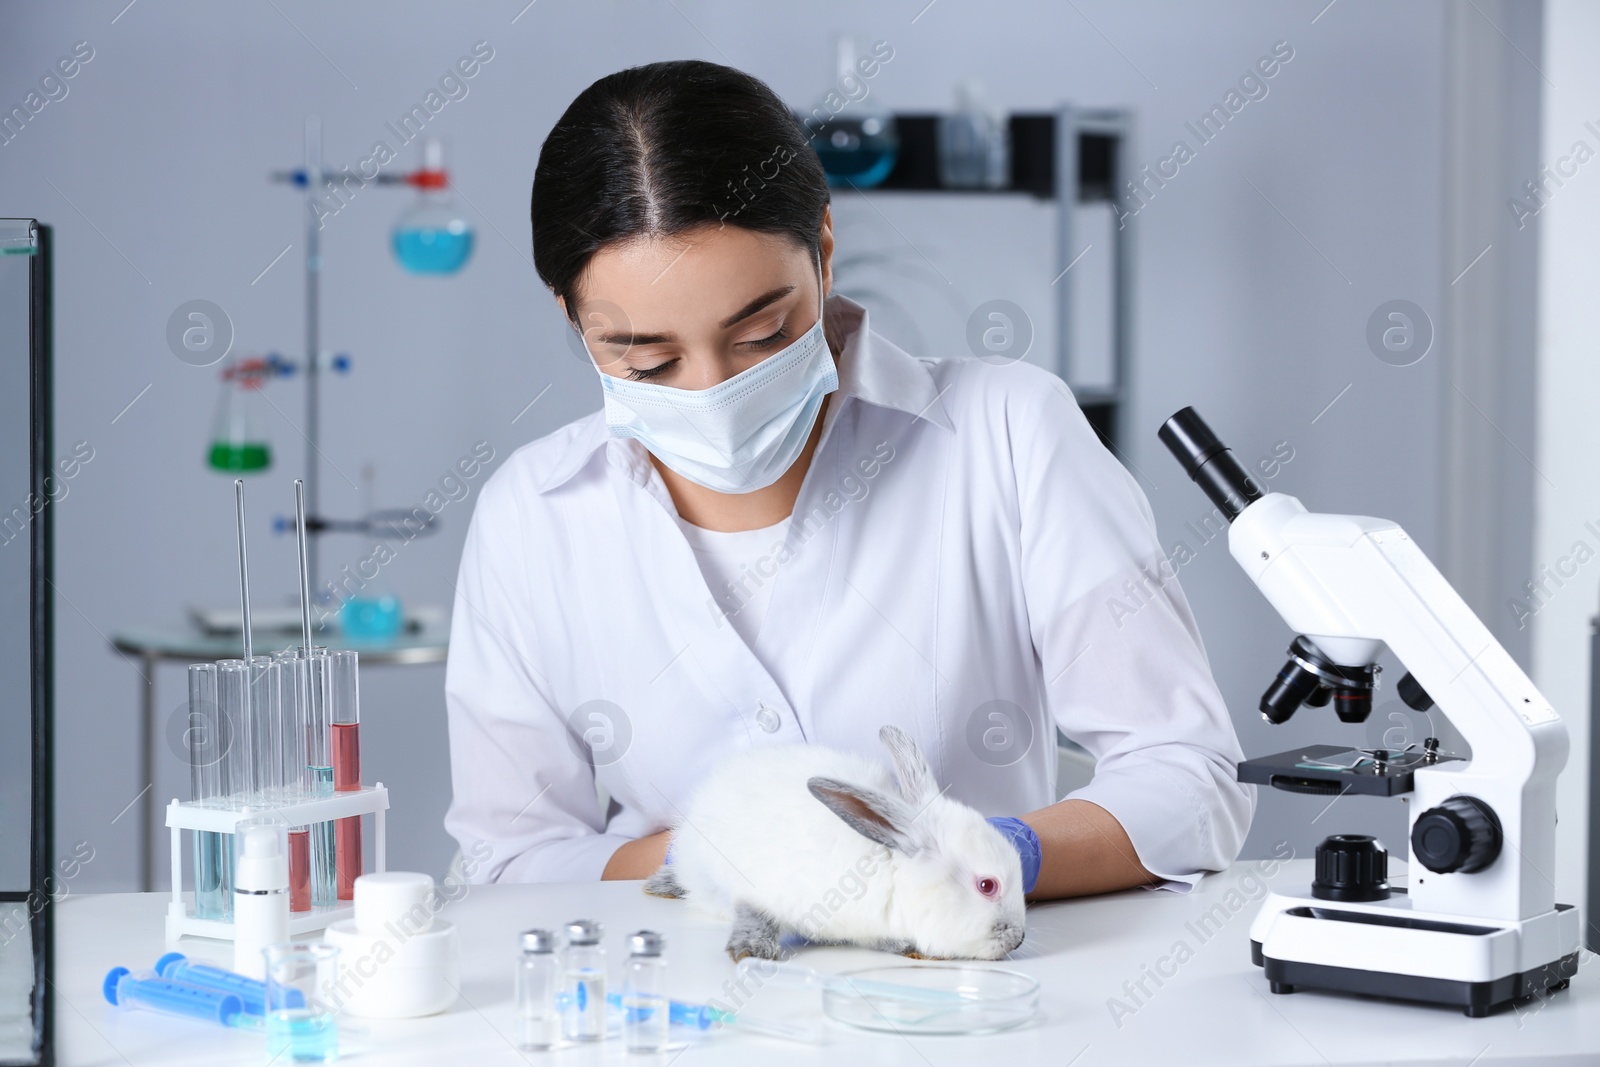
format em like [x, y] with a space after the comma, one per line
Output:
[988, 886]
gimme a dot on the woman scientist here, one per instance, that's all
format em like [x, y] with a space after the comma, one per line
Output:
[782, 528]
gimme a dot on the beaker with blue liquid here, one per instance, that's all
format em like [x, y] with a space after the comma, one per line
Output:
[302, 991]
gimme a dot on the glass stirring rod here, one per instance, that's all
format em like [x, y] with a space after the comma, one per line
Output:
[247, 784]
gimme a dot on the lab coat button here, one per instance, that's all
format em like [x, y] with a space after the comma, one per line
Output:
[767, 719]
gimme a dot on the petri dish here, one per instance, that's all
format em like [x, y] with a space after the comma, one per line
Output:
[953, 999]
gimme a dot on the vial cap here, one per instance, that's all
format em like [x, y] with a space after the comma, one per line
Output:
[646, 943]
[538, 941]
[583, 932]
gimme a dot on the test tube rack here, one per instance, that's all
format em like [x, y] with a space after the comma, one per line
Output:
[211, 816]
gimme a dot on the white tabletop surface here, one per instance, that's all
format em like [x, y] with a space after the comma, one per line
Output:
[1215, 1009]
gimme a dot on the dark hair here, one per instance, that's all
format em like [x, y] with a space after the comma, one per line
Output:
[662, 149]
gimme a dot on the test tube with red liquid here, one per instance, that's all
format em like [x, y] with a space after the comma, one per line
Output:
[295, 672]
[346, 723]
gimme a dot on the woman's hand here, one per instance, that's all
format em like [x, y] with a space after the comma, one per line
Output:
[639, 858]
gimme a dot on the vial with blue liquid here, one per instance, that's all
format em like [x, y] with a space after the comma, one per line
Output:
[583, 982]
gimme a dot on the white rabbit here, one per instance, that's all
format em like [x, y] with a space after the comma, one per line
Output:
[810, 840]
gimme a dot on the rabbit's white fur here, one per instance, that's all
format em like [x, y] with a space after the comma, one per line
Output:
[759, 843]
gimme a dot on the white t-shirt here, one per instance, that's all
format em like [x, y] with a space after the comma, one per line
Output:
[739, 569]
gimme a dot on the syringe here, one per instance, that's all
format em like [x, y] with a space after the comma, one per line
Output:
[252, 994]
[125, 989]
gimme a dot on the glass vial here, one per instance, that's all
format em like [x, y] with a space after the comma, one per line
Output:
[583, 981]
[644, 993]
[538, 979]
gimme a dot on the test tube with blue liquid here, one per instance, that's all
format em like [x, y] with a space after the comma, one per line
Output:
[208, 741]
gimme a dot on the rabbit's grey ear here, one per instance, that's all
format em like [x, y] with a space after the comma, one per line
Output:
[917, 784]
[874, 815]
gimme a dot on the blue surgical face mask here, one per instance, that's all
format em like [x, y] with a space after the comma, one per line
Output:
[740, 435]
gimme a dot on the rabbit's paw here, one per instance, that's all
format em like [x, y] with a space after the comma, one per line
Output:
[912, 954]
[664, 883]
[755, 933]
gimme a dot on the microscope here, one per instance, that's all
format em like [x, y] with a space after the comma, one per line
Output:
[1478, 926]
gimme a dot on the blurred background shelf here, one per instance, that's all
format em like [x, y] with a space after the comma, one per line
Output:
[1076, 159]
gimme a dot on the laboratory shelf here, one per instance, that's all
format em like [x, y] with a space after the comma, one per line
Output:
[1072, 156]
[1033, 157]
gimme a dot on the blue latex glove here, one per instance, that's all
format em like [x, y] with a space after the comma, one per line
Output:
[1026, 842]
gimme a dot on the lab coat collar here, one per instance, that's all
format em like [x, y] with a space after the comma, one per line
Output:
[870, 367]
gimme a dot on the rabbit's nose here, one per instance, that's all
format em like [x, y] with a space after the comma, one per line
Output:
[1009, 935]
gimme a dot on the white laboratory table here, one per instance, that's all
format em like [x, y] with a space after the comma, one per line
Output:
[1214, 1009]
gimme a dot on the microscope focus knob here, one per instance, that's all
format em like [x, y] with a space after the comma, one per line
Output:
[1351, 867]
[1462, 834]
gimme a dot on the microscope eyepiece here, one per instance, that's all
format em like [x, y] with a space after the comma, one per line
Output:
[1209, 462]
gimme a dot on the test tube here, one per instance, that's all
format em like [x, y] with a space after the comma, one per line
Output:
[207, 741]
[345, 718]
[294, 684]
[318, 775]
[232, 701]
[266, 736]
[293, 696]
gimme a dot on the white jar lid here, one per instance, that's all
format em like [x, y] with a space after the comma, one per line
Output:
[400, 897]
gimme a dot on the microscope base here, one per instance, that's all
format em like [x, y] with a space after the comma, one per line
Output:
[1386, 949]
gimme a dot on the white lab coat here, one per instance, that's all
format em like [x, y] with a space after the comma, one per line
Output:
[966, 561]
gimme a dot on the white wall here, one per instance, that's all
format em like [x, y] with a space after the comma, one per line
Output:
[1258, 268]
[1569, 432]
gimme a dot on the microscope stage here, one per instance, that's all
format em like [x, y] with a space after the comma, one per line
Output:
[1334, 769]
